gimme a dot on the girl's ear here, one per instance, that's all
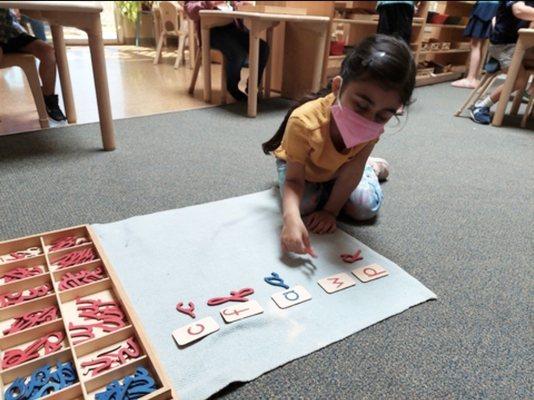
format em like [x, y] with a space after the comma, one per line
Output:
[336, 85]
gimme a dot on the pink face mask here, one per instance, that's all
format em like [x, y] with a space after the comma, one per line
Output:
[354, 128]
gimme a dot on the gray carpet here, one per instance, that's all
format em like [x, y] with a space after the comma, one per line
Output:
[458, 216]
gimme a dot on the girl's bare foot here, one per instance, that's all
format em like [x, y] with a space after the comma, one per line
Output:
[380, 166]
[465, 83]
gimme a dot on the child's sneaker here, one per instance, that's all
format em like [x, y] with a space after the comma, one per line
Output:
[381, 168]
[481, 115]
[52, 108]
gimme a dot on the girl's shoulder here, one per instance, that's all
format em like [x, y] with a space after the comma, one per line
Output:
[315, 113]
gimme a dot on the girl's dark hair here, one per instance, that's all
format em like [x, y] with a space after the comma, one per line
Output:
[383, 59]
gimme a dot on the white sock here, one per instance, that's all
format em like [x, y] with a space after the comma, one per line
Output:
[487, 102]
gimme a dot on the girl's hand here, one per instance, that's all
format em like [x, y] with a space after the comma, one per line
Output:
[295, 238]
[321, 222]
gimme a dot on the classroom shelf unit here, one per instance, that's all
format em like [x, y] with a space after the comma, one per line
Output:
[440, 49]
[51, 285]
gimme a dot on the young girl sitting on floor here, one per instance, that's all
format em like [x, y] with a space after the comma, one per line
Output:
[323, 144]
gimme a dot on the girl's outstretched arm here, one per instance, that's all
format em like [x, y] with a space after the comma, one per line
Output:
[295, 237]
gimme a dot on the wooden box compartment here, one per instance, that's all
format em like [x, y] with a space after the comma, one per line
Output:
[20, 249]
[45, 308]
[79, 236]
[87, 304]
[79, 275]
[12, 348]
[98, 384]
[25, 371]
[23, 269]
[25, 290]
[108, 353]
[71, 257]
[92, 296]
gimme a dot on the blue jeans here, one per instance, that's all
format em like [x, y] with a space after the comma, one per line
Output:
[362, 204]
[38, 27]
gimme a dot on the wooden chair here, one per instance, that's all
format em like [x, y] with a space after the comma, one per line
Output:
[173, 23]
[27, 63]
[529, 111]
[492, 71]
[216, 54]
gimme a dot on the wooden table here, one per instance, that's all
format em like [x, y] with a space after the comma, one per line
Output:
[86, 17]
[257, 23]
[526, 40]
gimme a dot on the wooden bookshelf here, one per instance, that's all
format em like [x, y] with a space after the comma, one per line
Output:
[359, 19]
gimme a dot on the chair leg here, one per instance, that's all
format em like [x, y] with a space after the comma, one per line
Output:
[517, 99]
[488, 85]
[159, 48]
[474, 96]
[189, 44]
[194, 78]
[32, 76]
[528, 112]
[224, 89]
[180, 51]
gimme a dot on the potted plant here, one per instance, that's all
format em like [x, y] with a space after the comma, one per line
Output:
[133, 20]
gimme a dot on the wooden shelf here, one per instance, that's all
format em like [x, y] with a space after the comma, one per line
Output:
[451, 51]
[446, 26]
[366, 21]
[437, 78]
[363, 20]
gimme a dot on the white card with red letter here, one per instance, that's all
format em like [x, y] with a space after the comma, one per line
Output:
[370, 272]
[240, 311]
[195, 331]
[291, 297]
[336, 282]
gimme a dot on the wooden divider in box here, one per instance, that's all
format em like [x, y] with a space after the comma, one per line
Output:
[79, 275]
[107, 353]
[65, 239]
[25, 371]
[18, 249]
[22, 269]
[67, 258]
[28, 315]
[22, 291]
[37, 343]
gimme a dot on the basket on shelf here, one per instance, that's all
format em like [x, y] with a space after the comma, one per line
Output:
[453, 20]
[439, 18]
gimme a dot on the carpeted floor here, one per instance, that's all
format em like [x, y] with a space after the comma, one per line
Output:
[458, 216]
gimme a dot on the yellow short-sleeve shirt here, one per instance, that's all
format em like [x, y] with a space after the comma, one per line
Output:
[307, 141]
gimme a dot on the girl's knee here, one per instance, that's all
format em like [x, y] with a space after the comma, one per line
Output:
[363, 204]
[45, 52]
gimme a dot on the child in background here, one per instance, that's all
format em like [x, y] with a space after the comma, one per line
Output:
[511, 16]
[395, 18]
[232, 40]
[478, 29]
[324, 143]
[13, 39]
